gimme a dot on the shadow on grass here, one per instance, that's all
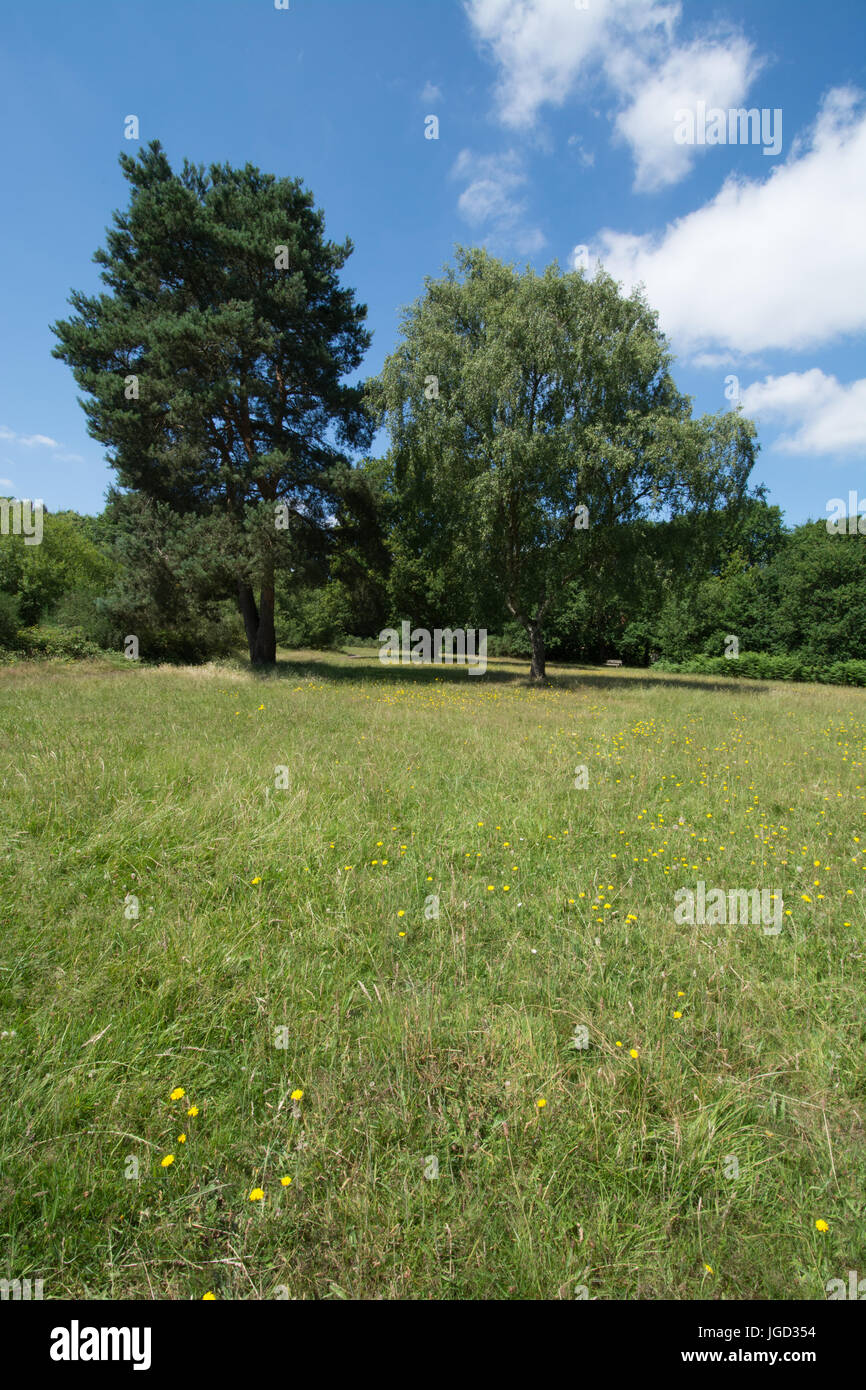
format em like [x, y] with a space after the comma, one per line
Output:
[341, 666]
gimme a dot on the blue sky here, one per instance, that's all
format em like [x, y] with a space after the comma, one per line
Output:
[556, 131]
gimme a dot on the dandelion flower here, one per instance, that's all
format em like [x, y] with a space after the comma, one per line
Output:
[677, 1013]
[167, 1161]
[208, 1298]
[193, 1110]
[633, 1052]
[821, 1226]
[257, 1195]
[541, 1102]
[708, 1268]
[285, 1182]
[181, 1138]
[401, 913]
[177, 1093]
[255, 880]
[297, 1095]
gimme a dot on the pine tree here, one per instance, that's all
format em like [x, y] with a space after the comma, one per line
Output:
[213, 365]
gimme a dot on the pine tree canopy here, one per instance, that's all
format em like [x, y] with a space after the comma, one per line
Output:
[213, 362]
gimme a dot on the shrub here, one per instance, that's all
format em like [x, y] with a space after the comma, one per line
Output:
[10, 619]
[784, 666]
[63, 642]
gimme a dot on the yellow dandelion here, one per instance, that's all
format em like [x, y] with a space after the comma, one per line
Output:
[208, 1298]
[633, 1052]
[255, 880]
[677, 1013]
[541, 1102]
[285, 1182]
[297, 1095]
[177, 1093]
[401, 913]
[257, 1195]
[193, 1110]
[181, 1138]
[708, 1268]
[821, 1226]
[167, 1161]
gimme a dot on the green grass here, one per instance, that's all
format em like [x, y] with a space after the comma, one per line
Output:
[440, 1043]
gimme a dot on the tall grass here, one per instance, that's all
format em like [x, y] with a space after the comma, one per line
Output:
[168, 910]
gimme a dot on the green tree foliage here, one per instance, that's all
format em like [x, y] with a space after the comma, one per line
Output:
[816, 591]
[168, 578]
[213, 364]
[514, 399]
[67, 566]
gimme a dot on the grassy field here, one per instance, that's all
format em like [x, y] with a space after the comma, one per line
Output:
[173, 919]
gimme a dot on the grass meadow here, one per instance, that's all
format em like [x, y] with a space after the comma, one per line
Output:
[174, 920]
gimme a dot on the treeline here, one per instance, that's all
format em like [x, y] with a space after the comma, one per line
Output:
[670, 592]
[545, 478]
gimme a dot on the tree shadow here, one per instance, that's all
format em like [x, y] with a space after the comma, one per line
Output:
[337, 668]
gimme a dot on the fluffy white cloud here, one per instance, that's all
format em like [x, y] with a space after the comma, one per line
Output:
[543, 47]
[550, 50]
[489, 200]
[778, 262]
[718, 74]
[823, 416]
[430, 93]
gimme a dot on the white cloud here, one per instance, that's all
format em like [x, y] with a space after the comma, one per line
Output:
[543, 47]
[431, 93]
[718, 74]
[488, 200]
[549, 50]
[778, 262]
[68, 458]
[822, 415]
[6, 482]
[585, 158]
[714, 360]
[29, 441]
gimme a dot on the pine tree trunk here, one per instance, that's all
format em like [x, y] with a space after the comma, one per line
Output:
[250, 614]
[264, 652]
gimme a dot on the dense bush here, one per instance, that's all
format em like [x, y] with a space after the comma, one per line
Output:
[770, 666]
[317, 618]
[10, 618]
[512, 641]
[62, 642]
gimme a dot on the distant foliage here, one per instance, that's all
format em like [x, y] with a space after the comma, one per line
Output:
[764, 666]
